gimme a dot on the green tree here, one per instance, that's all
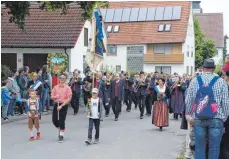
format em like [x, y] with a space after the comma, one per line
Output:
[204, 48]
[20, 9]
[225, 48]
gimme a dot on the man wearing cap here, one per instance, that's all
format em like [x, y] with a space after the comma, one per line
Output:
[208, 128]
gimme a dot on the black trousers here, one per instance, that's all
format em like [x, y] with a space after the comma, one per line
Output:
[148, 103]
[128, 99]
[62, 116]
[134, 99]
[116, 106]
[75, 102]
[96, 123]
[141, 104]
[86, 95]
[107, 108]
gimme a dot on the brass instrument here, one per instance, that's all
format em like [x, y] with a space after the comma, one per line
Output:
[87, 86]
[108, 81]
[139, 83]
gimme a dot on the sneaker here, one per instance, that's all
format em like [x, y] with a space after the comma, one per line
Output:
[61, 139]
[6, 118]
[96, 141]
[88, 141]
[141, 117]
[106, 115]
[116, 119]
[38, 135]
[31, 138]
[24, 114]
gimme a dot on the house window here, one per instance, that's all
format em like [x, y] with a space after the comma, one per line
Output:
[187, 51]
[164, 27]
[161, 27]
[85, 36]
[118, 68]
[111, 50]
[168, 27]
[217, 52]
[191, 70]
[116, 29]
[192, 52]
[163, 69]
[187, 70]
[163, 48]
[109, 28]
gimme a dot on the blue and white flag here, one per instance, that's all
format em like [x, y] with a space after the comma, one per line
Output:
[36, 85]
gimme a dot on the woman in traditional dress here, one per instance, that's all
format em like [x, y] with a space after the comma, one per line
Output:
[160, 109]
[177, 97]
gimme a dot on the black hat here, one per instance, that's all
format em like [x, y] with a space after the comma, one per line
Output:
[209, 63]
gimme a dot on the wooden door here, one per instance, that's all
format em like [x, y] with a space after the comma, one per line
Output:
[35, 61]
[9, 59]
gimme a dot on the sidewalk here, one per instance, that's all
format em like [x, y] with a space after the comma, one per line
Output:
[22, 117]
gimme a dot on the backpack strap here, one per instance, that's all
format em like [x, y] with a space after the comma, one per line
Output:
[200, 81]
[213, 81]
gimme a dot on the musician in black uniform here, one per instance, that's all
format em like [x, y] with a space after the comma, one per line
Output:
[127, 89]
[107, 95]
[134, 90]
[141, 93]
[75, 85]
[149, 95]
[87, 82]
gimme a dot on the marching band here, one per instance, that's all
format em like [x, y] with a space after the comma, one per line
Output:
[126, 88]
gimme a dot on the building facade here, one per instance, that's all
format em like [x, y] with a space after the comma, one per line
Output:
[150, 36]
[46, 32]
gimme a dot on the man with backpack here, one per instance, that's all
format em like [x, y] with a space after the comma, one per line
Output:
[207, 103]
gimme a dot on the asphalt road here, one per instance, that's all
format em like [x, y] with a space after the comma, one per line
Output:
[128, 138]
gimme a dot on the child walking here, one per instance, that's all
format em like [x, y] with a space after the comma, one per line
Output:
[33, 114]
[94, 113]
[5, 98]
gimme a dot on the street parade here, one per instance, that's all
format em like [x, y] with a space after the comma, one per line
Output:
[119, 80]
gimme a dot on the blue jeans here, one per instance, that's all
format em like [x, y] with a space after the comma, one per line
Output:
[211, 129]
[4, 110]
[11, 107]
[45, 93]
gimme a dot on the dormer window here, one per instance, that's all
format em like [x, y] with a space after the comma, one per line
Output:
[161, 28]
[116, 29]
[109, 29]
[168, 27]
[164, 27]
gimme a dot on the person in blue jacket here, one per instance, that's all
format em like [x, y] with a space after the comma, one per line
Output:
[5, 100]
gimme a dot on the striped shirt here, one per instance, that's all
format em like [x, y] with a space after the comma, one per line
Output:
[220, 91]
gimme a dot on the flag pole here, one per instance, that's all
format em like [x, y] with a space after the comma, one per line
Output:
[93, 45]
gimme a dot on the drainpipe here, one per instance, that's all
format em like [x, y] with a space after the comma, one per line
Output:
[65, 51]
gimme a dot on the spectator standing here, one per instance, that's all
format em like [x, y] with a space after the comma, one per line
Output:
[207, 126]
[46, 87]
[5, 97]
[23, 80]
[36, 85]
[14, 92]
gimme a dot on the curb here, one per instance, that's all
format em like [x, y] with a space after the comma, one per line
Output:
[23, 117]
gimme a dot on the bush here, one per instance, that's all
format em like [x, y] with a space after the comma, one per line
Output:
[5, 72]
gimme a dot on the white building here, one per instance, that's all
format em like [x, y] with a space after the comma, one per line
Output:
[46, 32]
[212, 26]
[150, 36]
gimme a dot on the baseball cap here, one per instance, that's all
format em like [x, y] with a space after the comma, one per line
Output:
[95, 90]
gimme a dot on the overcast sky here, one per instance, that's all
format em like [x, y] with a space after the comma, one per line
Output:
[219, 6]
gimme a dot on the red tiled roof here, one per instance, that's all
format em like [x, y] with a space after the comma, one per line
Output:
[43, 29]
[212, 26]
[147, 32]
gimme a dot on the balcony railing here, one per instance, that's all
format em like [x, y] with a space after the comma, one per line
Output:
[151, 58]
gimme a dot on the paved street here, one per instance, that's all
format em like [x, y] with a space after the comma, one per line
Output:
[129, 138]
